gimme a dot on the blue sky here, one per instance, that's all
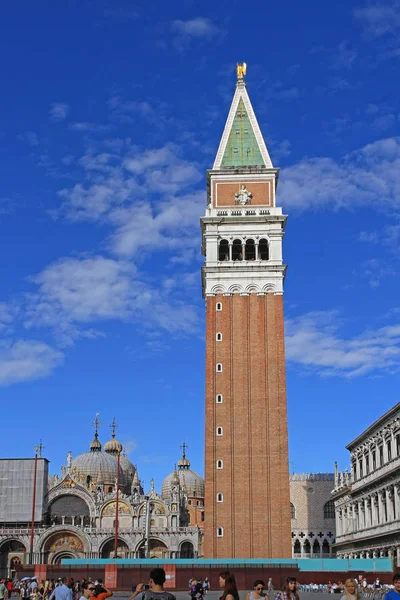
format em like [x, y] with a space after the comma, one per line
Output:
[111, 113]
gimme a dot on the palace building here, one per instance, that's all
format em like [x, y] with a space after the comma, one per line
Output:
[246, 443]
[367, 498]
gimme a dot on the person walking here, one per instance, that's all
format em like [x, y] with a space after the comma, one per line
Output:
[3, 590]
[228, 582]
[257, 593]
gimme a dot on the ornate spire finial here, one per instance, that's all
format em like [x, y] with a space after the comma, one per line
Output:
[40, 449]
[113, 427]
[96, 423]
[241, 69]
[184, 447]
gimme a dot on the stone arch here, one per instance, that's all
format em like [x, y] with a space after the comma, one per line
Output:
[235, 288]
[186, 549]
[326, 547]
[106, 549]
[307, 546]
[40, 543]
[269, 288]
[12, 551]
[59, 490]
[252, 288]
[218, 289]
[57, 558]
[108, 509]
[64, 508]
[316, 548]
[158, 548]
[63, 543]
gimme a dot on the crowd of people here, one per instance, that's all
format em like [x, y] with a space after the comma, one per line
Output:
[86, 589]
[29, 588]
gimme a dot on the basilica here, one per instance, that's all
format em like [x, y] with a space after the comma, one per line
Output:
[78, 512]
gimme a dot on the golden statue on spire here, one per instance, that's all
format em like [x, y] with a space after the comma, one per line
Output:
[241, 70]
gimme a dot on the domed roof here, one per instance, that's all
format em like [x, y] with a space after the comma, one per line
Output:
[99, 466]
[128, 468]
[191, 482]
[112, 446]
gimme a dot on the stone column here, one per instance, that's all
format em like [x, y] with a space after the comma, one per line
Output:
[373, 510]
[385, 452]
[381, 508]
[243, 249]
[230, 250]
[360, 515]
[367, 519]
[396, 502]
[398, 555]
[389, 505]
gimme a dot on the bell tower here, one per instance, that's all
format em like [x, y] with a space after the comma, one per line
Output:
[246, 444]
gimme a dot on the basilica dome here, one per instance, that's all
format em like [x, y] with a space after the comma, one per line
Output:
[191, 482]
[99, 466]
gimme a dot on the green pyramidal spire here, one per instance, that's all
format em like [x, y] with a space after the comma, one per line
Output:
[242, 143]
[242, 149]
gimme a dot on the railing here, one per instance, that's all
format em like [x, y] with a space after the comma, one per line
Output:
[385, 469]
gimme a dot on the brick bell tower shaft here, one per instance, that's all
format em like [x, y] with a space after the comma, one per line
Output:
[246, 442]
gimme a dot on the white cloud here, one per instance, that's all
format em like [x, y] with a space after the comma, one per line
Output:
[26, 360]
[200, 27]
[74, 294]
[379, 18]
[7, 315]
[369, 176]
[314, 344]
[86, 127]
[58, 111]
[30, 137]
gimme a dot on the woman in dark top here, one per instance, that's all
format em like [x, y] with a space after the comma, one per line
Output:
[227, 581]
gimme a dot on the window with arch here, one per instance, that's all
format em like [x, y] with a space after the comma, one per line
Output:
[220, 532]
[263, 250]
[220, 464]
[237, 250]
[219, 399]
[220, 431]
[219, 367]
[292, 511]
[223, 250]
[218, 337]
[220, 497]
[329, 510]
[218, 306]
[250, 250]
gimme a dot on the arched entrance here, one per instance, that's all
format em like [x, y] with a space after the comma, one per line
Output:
[11, 556]
[157, 549]
[69, 510]
[57, 558]
[63, 544]
[187, 550]
[108, 549]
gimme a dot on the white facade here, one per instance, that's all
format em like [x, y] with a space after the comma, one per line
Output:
[367, 499]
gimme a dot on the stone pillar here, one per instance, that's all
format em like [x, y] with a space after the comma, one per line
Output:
[396, 502]
[389, 505]
[398, 555]
[381, 508]
[230, 250]
[256, 248]
[385, 452]
[360, 515]
[374, 500]
[243, 249]
[366, 513]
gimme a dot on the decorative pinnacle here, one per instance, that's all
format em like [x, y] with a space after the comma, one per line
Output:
[113, 427]
[40, 448]
[96, 423]
[241, 69]
[184, 447]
